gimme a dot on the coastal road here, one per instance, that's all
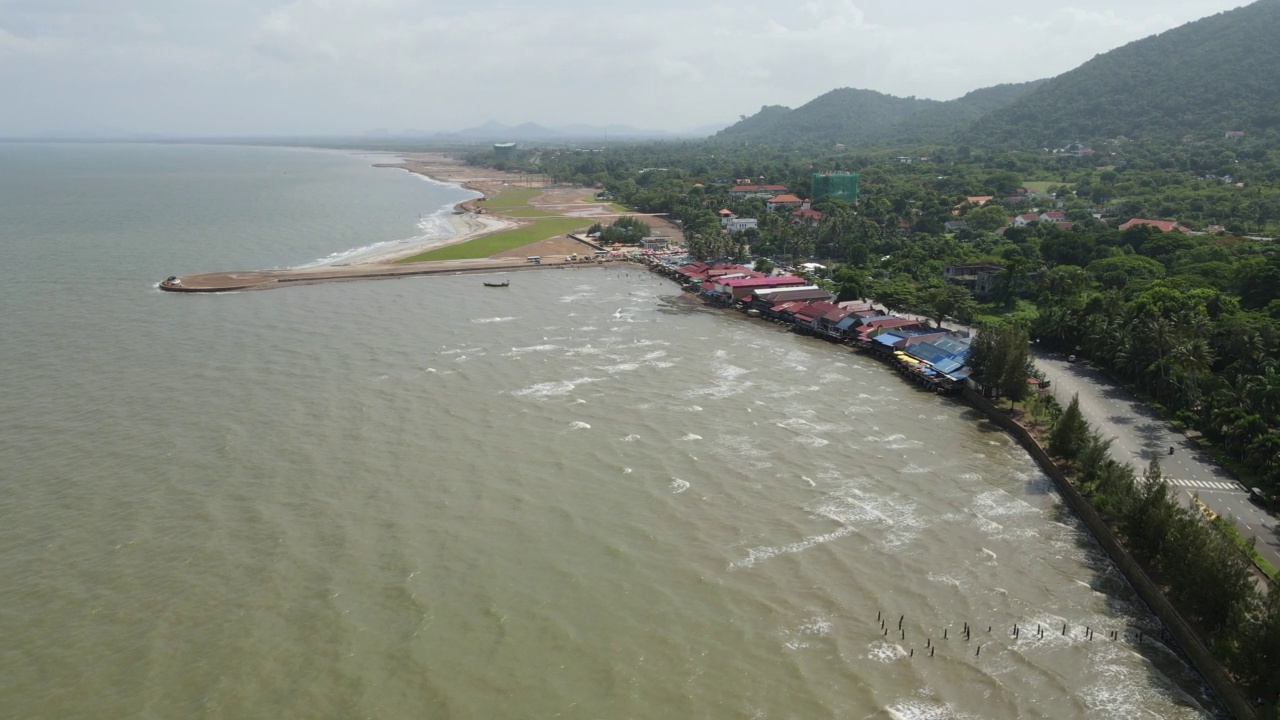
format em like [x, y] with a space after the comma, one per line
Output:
[1139, 433]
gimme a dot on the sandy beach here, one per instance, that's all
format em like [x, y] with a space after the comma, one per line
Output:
[471, 219]
[468, 223]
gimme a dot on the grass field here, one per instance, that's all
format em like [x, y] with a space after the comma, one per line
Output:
[523, 212]
[488, 245]
[511, 198]
[1043, 186]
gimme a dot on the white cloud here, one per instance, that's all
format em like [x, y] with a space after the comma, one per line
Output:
[311, 66]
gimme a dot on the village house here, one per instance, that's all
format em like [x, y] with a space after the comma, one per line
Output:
[738, 224]
[1235, 135]
[739, 288]
[784, 201]
[805, 215]
[979, 278]
[931, 357]
[969, 202]
[757, 191]
[1162, 225]
[1024, 220]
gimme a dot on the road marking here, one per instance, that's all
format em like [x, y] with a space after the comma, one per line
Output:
[1205, 484]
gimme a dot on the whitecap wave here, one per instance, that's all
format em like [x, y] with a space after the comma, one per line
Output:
[435, 226]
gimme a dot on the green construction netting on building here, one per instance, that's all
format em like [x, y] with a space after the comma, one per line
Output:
[843, 186]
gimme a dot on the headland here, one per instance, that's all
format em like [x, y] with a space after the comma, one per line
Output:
[516, 216]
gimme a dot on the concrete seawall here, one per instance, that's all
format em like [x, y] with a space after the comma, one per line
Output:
[268, 279]
[1199, 654]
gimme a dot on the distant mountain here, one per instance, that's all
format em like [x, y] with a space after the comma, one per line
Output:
[497, 131]
[530, 132]
[1207, 77]
[865, 117]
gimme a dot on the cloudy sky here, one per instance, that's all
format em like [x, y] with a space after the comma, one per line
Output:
[234, 67]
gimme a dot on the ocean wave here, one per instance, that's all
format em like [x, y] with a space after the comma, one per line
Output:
[435, 226]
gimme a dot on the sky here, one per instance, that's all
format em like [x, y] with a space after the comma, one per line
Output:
[338, 67]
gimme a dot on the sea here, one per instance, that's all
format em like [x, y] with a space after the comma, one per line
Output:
[580, 496]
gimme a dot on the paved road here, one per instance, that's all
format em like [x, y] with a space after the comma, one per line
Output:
[1139, 432]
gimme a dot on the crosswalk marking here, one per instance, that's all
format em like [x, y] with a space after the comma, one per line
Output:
[1203, 484]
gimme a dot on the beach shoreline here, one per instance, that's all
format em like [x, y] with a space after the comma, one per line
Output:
[467, 221]
[470, 219]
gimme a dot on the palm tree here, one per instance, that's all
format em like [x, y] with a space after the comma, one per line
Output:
[1159, 330]
[1192, 358]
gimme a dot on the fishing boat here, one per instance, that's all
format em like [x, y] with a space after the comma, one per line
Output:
[504, 283]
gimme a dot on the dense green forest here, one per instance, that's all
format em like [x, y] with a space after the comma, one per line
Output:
[1202, 79]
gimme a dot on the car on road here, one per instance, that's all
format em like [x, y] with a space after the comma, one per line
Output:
[1255, 494]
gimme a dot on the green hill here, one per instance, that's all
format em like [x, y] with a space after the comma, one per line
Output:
[934, 123]
[865, 117]
[1207, 77]
[844, 115]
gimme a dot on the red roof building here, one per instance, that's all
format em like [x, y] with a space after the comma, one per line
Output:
[740, 288]
[804, 214]
[701, 272]
[784, 201]
[764, 191]
[1162, 225]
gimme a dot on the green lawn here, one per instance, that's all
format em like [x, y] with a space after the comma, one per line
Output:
[1043, 186]
[488, 245]
[523, 212]
[511, 198]
[1024, 311]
